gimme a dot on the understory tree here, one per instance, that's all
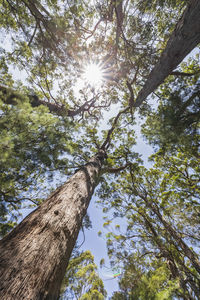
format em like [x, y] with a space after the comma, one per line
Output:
[81, 279]
[51, 129]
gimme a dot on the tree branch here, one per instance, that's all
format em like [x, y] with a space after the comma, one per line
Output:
[115, 170]
[185, 37]
[11, 96]
[106, 143]
[177, 73]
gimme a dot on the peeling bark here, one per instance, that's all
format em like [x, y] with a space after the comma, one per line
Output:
[34, 256]
[183, 40]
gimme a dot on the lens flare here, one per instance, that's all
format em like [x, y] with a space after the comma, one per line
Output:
[93, 74]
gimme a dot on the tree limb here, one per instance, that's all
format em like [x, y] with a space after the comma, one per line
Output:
[115, 170]
[177, 73]
[11, 96]
[106, 143]
[184, 39]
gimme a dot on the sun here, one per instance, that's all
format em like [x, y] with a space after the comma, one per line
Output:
[93, 74]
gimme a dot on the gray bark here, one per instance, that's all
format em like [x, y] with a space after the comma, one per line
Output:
[34, 256]
[183, 40]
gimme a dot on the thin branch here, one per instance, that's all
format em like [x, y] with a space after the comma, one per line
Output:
[146, 253]
[54, 108]
[95, 28]
[177, 73]
[32, 37]
[106, 143]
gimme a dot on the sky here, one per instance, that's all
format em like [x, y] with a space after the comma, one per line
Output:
[93, 242]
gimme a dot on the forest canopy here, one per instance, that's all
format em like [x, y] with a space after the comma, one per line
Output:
[78, 81]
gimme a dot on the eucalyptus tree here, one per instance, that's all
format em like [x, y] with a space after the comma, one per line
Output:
[38, 249]
[161, 207]
[32, 146]
[81, 279]
[150, 284]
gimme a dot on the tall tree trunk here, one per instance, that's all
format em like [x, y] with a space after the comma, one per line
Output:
[181, 244]
[179, 241]
[34, 256]
[183, 40]
[175, 264]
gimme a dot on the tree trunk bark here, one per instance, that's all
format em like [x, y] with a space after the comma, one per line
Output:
[183, 40]
[34, 256]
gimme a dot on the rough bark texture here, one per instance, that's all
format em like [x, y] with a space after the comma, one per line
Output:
[34, 256]
[183, 40]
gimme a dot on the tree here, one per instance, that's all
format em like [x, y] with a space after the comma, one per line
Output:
[161, 208]
[152, 284]
[32, 143]
[55, 226]
[81, 279]
[50, 231]
[177, 48]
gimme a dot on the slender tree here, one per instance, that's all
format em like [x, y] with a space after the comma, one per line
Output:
[160, 229]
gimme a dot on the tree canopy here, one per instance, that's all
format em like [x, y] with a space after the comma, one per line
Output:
[53, 123]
